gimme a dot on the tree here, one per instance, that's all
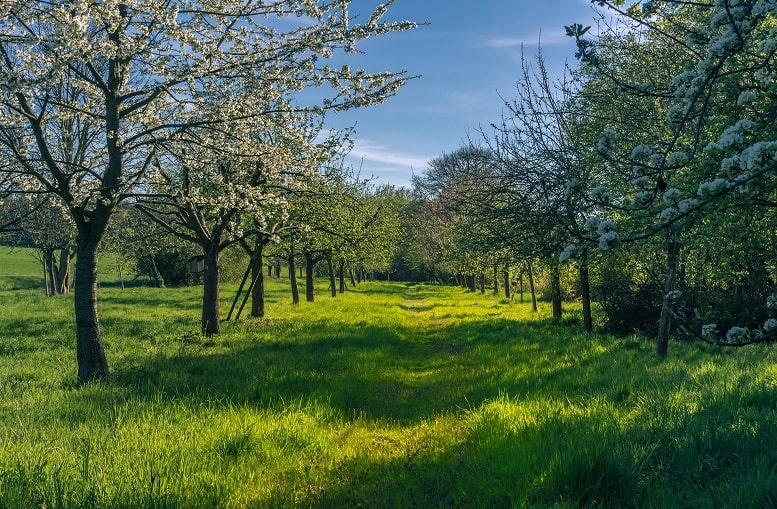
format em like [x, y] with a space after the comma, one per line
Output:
[222, 186]
[89, 91]
[49, 230]
[709, 67]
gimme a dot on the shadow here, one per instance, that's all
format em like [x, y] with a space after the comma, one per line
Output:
[368, 371]
[11, 282]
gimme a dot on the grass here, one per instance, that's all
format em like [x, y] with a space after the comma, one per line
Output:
[21, 269]
[392, 395]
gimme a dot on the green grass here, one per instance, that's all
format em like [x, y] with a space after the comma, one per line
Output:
[19, 269]
[392, 395]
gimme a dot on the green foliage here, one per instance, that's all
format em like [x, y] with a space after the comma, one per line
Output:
[409, 395]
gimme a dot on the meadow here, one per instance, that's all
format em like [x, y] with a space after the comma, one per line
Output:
[390, 395]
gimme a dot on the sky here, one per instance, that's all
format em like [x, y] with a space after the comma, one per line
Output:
[468, 58]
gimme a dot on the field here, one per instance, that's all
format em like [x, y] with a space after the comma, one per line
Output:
[390, 395]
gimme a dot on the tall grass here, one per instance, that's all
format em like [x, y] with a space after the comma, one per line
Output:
[391, 395]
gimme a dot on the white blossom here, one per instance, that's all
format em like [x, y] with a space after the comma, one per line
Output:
[592, 223]
[747, 96]
[601, 194]
[641, 151]
[734, 134]
[709, 331]
[671, 195]
[643, 198]
[687, 205]
[737, 334]
[608, 240]
[712, 187]
[670, 213]
[607, 141]
[568, 253]
[604, 226]
[677, 158]
[643, 183]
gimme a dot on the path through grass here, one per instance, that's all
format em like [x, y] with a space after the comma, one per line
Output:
[392, 395]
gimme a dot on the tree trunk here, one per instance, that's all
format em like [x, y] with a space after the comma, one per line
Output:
[532, 290]
[51, 269]
[585, 293]
[90, 351]
[506, 282]
[63, 275]
[310, 277]
[45, 276]
[350, 274]
[482, 283]
[211, 320]
[332, 277]
[496, 280]
[257, 291]
[293, 278]
[520, 286]
[341, 274]
[155, 273]
[555, 290]
[667, 306]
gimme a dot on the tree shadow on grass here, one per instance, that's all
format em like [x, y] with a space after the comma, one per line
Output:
[395, 373]
[11, 282]
[367, 371]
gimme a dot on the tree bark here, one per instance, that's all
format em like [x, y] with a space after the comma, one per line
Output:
[90, 350]
[257, 291]
[585, 293]
[555, 290]
[667, 306]
[506, 283]
[332, 278]
[63, 274]
[211, 320]
[293, 278]
[310, 277]
[496, 280]
[532, 290]
[341, 274]
[482, 283]
[51, 270]
[46, 277]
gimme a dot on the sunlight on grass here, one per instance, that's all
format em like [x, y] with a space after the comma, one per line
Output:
[391, 394]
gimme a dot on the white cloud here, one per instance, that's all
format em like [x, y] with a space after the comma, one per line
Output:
[372, 152]
[544, 38]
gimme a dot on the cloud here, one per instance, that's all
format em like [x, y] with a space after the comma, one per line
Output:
[371, 152]
[544, 38]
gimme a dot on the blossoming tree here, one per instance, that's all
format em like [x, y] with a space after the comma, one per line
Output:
[716, 151]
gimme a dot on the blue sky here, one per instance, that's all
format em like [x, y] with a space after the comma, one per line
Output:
[467, 57]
